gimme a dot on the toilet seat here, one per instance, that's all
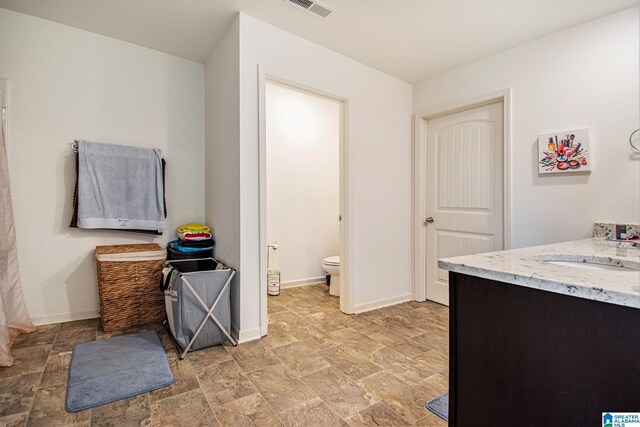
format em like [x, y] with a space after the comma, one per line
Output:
[332, 260]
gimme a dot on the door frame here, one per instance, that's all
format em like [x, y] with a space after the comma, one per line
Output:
[346, 255]
[420, 162]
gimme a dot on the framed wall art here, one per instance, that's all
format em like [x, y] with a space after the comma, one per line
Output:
[564, 152]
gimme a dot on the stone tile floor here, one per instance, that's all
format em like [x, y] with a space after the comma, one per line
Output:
[317, 367]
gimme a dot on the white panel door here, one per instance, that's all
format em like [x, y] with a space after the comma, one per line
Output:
[464, 189]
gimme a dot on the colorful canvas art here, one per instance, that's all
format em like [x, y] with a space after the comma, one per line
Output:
[564, 152]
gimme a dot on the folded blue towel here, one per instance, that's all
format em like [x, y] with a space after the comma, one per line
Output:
[174, 244]
[120, 187]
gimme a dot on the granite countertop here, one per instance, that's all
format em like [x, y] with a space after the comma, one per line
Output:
[526, 267]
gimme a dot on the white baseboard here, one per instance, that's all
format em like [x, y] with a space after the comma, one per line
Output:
[303, 282]
[373, 305]
[65, 317]
[245, 336]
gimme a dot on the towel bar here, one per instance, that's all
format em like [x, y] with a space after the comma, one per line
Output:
[74, 148]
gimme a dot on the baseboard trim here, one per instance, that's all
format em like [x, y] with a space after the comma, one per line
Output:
[373, 305]
[245, 336]
[65, 317]
[303, 282]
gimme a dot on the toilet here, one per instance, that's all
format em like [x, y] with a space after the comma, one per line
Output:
[332, 266]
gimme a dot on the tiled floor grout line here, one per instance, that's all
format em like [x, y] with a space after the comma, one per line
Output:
[356, 383]
[258, 389]
[270, 407]
[259, 392]
[311, 373]
[317, 395]
[268, 404]
[200, 388]
[331, 408]
[320, 397]
[42, 374]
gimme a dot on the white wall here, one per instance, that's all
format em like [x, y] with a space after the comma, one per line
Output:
[67, 84]
[303, 179]
[379, 171]
[585, 76]
[222, 171]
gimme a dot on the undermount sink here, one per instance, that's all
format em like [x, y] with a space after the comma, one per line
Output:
[592, 266]
[591, 263]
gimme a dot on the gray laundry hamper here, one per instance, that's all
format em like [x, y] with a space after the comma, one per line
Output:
[197, 300]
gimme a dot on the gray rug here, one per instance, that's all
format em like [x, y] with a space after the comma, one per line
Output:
[440, 406]
[116, 368]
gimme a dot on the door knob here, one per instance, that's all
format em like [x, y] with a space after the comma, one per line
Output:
[429, 220]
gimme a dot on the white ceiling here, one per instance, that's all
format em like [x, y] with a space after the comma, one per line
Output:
[408, 39]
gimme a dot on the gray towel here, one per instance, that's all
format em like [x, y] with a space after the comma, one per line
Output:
[120, 187]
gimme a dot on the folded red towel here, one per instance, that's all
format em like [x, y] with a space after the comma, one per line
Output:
[194, 236]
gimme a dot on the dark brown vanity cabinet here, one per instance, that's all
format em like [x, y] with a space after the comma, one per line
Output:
[526, 357]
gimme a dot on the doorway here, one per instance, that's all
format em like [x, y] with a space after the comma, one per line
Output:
[461, 189]
[303, 187]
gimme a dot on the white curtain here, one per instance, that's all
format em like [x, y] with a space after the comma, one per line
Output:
[14, 318]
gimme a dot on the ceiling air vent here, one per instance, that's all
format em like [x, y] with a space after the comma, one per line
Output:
[315, 7]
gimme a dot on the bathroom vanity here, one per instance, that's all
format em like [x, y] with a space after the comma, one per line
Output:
[544, 335]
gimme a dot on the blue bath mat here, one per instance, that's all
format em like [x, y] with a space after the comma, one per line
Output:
[440, 406]
[116, 368]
